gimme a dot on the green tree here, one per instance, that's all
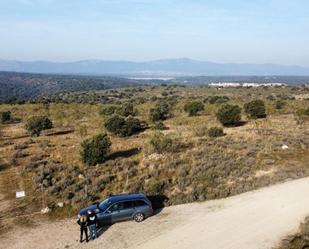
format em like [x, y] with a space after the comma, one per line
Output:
[229, 115]
[127, 109]
[160, 112]
[123, 127]
[5, 117]
[194, 107]
[95, 149]
[115, 124]
[255, 109]
[36, 124]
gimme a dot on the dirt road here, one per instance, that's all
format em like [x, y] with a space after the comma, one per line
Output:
[254, 220]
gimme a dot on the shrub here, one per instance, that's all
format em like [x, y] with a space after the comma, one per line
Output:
[165, 143]
[5, 117]
[303, 112]
[36, 124]
[153, 98]
[300, 240]
[155, 187]
[255, 109]
[217, 99]
[194, 107]
[160, 112]
[279, 104]
[115, 124]
[155, 115]
[159, 126]
[215, 132]
[229, 115]
[108, 110]
[271, 97]
[171, 101]
[95, 149]
[123, 127]
[126, 110]
[131, 127]
[302, 115]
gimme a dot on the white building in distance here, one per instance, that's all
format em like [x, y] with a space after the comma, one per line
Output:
[235, 84]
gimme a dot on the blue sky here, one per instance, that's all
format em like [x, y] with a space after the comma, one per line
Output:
[244, 31]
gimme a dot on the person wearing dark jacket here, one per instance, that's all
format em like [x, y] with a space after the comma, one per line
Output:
[92, 224]
[82, 222]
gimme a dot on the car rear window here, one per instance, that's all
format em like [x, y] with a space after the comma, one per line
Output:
[140, 203]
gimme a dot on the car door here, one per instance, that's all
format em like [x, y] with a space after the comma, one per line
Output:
[127, 210]
[110, 215]
[104, 217]
[115, 211]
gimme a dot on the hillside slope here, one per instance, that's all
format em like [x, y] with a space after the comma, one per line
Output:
[26, 86]
[254, 220]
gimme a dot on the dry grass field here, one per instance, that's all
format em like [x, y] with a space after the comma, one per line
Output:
[196, 167]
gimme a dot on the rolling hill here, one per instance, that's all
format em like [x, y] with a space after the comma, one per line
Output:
[28, 86]
[170, 67]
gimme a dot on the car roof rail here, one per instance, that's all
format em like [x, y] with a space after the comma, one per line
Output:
[112, 195]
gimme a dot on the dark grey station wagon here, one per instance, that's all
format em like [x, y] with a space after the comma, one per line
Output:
[121, 207]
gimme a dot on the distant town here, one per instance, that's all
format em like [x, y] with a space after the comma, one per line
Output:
[235, 84]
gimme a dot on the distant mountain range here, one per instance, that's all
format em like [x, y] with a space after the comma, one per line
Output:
[168, 67]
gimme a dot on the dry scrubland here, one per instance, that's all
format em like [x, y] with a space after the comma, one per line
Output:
[194, 168]
[300, 240]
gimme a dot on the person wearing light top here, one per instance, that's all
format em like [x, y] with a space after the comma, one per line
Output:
[82, 222]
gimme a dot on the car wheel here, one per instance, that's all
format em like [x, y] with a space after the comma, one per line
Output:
[139, 217]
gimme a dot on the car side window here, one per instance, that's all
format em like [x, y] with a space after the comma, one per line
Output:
[127, 204]
[115, 207]
[140, 203]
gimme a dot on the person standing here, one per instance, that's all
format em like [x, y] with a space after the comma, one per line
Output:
[82, 222]
[92, 224]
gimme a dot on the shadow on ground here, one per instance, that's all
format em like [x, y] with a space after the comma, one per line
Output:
[4, 166]
[124, 153]
[102, 229]
[158, 202]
